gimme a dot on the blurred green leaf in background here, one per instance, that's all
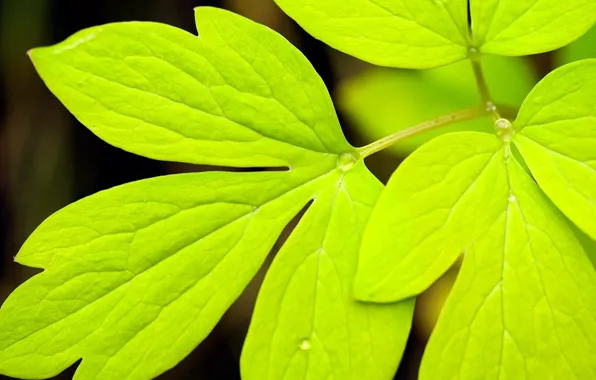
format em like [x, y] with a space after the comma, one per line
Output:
[582, 48]
[382, 101]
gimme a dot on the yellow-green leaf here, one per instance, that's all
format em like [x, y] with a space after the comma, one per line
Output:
[524, 303]
[306, 323]
[557, 138]
[406, 33]
[441, 199]
[524, 27]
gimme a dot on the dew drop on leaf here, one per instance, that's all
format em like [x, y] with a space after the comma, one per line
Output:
[490, 107]
[346, 161]
[473, 54]
[504, 129]
[304, 345]
[512, 197]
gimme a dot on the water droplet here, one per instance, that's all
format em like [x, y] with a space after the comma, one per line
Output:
[490, 107]
[304, 344]
[504, 129]
[346, 161]
[506, 153]
[512, 197]
[473, 54]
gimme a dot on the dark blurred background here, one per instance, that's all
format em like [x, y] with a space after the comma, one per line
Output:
[47, 159]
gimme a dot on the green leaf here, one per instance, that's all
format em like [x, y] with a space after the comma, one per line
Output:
[135, 277]
[407, 33]
[523, 27]
[557, 137]
[306, 323]
[524, 303]
[442, 197]
[583, 48]
[418, 96]
[150, 88]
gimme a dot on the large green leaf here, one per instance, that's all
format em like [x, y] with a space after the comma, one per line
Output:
[442, 197]
[306, 324]
[419, 96]
[148, 88]
[524, 303]
[430, 33]
[523, 27]
[405, 33]
[136, 276]
[557, 137]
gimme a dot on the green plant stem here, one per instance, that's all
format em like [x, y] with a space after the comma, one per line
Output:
[465, 114]
[483, 89]
[510, 113]
[480, 81]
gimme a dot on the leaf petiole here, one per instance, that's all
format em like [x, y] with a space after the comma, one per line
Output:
[465, 114]
[482, 87]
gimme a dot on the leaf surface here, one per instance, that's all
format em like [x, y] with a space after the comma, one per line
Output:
[442, 197]
[524, 27]
[524, 303]
[406, 33]
[557, 124]
[237, 95]
[306, 324]
[136, 276]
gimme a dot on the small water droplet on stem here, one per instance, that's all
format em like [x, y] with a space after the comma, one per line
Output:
[473, 54]
[504, 129]
[346, 161]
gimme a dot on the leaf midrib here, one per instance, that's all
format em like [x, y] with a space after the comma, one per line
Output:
[557, 153]
[320, 251]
